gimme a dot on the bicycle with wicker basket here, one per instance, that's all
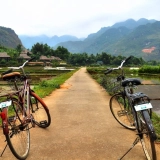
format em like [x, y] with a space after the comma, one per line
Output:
[27, 97]
[133, 111]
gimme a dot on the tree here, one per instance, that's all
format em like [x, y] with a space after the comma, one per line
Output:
[62, 53]
[19, 48]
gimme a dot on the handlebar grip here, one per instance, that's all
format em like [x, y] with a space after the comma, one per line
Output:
[6, 72]
[31, 59]
[127, 58]
[108, 71]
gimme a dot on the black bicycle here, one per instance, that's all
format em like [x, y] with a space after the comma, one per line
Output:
[133, 111]
[119, 105]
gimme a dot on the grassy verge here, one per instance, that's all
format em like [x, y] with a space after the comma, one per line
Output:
[47, 86]
[156, 123]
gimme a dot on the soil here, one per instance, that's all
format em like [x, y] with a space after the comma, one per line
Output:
[82, 127]
[148, 50]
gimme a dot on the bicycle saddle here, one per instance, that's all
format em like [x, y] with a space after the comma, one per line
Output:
[131, 81]
[12, 75]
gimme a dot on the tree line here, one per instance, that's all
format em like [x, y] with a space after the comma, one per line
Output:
[75, 59]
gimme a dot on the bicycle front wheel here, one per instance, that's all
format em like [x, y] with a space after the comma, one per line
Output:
[18, 138]
[148, 136]
[121, 110]
[40, 111]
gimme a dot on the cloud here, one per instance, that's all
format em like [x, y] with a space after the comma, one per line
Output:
[73, 17]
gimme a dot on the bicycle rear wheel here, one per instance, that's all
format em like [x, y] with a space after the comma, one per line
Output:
[18, 138]
[121, 110]
[148, 136]
[40, 111]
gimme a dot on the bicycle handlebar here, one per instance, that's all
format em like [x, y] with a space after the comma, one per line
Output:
[119, 67]
[6, 72]
[109, 70]
[16, 68]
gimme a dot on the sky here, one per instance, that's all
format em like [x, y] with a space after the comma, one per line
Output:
[72, 17]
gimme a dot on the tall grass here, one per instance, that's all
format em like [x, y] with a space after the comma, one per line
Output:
[156, 124]
[150, 69]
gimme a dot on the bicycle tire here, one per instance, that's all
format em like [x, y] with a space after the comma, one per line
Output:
[148, 136]
[18, 138]
[121, 111]
[40, 111]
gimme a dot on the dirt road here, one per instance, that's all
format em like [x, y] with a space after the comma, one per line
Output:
[82, 126]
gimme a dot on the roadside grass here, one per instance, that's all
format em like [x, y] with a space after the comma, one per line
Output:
[45, 87]
[156, 123]
[98, 75]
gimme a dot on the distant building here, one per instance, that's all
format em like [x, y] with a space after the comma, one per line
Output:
[24, 55]
[47, 60]
[5, 56]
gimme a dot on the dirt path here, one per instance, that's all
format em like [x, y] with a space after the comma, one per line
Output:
[82, 126]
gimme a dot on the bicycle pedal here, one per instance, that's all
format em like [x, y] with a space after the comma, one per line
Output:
[22, 126]
[11, 118]
[133, 124]
[33, 125]
[121, 113]
[43, 123]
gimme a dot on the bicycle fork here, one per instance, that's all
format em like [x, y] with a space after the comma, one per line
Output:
[3, 116]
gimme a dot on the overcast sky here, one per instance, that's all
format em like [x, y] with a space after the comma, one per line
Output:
[72, 17]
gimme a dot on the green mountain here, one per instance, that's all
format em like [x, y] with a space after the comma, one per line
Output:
[8, 38]
[143, 41]
[139, 38]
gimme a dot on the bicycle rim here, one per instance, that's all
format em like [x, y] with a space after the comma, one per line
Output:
[18, 138]
[148, 137]
[39, 111]
[121, 111]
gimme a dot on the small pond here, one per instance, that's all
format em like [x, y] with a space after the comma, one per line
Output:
[151, 87]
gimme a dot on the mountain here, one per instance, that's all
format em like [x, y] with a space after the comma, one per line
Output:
[139, 38]
[9, 38]
[143, 41]
[131, 23]
[29, 41]
[124, 38]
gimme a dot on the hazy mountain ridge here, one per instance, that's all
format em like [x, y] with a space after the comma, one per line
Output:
[29, 41]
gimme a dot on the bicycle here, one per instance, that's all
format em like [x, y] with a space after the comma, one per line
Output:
[118, 103]
[15, 129]
[133, 111]
[27, 96]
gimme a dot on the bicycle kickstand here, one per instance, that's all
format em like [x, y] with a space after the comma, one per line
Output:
[3, 150]
[134, 143]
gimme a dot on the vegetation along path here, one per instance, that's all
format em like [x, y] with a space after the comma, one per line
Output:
[82, 126]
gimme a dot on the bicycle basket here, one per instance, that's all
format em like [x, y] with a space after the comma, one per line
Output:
[17, 83]
[111, 84]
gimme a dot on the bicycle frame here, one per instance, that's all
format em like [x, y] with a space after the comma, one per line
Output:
[24, 97]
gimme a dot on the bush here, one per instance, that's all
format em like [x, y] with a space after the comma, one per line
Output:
[150, 69]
